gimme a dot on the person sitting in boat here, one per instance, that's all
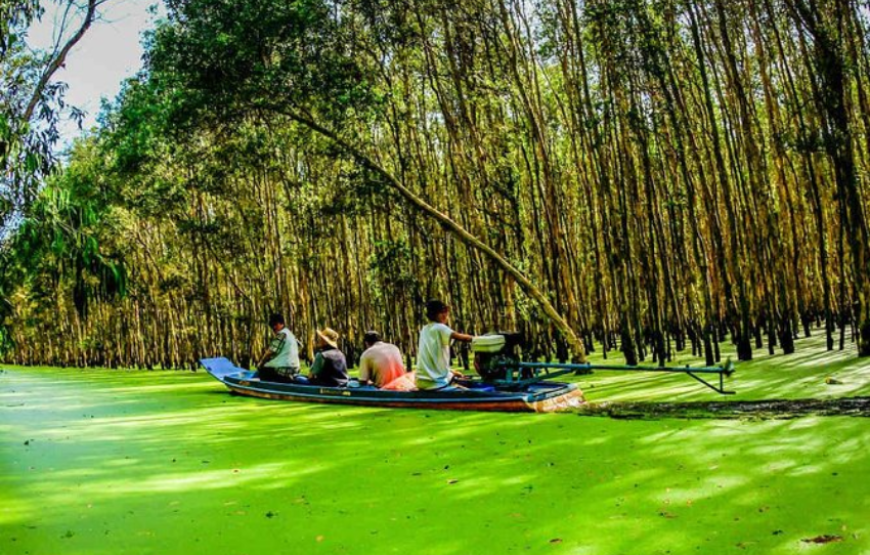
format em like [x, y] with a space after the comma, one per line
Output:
[329, 368]
[381, 363]
[280, 361]
[433, 350]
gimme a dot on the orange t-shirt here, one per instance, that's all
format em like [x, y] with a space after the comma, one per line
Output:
[381, 363]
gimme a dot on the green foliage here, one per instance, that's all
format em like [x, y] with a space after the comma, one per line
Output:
[63, 236]
[229, 58]
[15, 16]
[389, 270]
[31, 104]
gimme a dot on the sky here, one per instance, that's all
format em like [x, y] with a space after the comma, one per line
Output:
[110, 52]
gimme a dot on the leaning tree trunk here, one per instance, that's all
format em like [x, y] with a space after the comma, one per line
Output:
[574, 342]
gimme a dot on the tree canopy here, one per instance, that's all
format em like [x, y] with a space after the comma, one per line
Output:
[641, 175]
[31, 101]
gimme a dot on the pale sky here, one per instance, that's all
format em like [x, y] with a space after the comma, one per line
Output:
[109, 52]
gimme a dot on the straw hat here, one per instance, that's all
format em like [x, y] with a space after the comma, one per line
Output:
[330, 336]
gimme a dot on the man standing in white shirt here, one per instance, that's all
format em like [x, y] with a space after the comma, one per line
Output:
[282, 356]
[433, 351]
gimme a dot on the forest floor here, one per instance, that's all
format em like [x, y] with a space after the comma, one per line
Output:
[97, 462]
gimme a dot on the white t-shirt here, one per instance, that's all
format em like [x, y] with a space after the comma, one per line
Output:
[433, 356]
[286, 351]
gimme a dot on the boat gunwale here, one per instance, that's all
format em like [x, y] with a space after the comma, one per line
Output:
[341, 394]
[545, 396]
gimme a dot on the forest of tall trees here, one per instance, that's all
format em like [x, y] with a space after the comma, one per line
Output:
[640, 176]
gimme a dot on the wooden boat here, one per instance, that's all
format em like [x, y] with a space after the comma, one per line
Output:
[529, 397]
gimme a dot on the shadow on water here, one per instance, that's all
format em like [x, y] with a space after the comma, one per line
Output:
[100, 462]
[765, 410]
[809, 373]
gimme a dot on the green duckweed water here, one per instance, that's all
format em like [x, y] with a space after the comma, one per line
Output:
[104, 462]
[802, 375]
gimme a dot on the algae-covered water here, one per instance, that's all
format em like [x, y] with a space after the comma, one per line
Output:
[105, 462]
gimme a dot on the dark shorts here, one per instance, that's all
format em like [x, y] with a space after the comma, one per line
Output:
[326, 382]
[278, 375]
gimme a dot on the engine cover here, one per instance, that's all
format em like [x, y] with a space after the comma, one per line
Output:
[495, 354]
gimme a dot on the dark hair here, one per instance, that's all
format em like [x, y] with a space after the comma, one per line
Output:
[275, 319]
[371, 337]
[434, 307]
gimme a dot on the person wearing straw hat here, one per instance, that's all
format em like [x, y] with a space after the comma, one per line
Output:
[329, 368]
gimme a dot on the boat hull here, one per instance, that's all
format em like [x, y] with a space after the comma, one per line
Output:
[538, 397]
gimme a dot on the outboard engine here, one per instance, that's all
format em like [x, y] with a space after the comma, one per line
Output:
[495, 354]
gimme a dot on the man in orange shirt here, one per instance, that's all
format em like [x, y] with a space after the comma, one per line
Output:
[381, 363]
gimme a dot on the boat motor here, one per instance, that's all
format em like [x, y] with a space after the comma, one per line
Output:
[498, 363]
[495, 354]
